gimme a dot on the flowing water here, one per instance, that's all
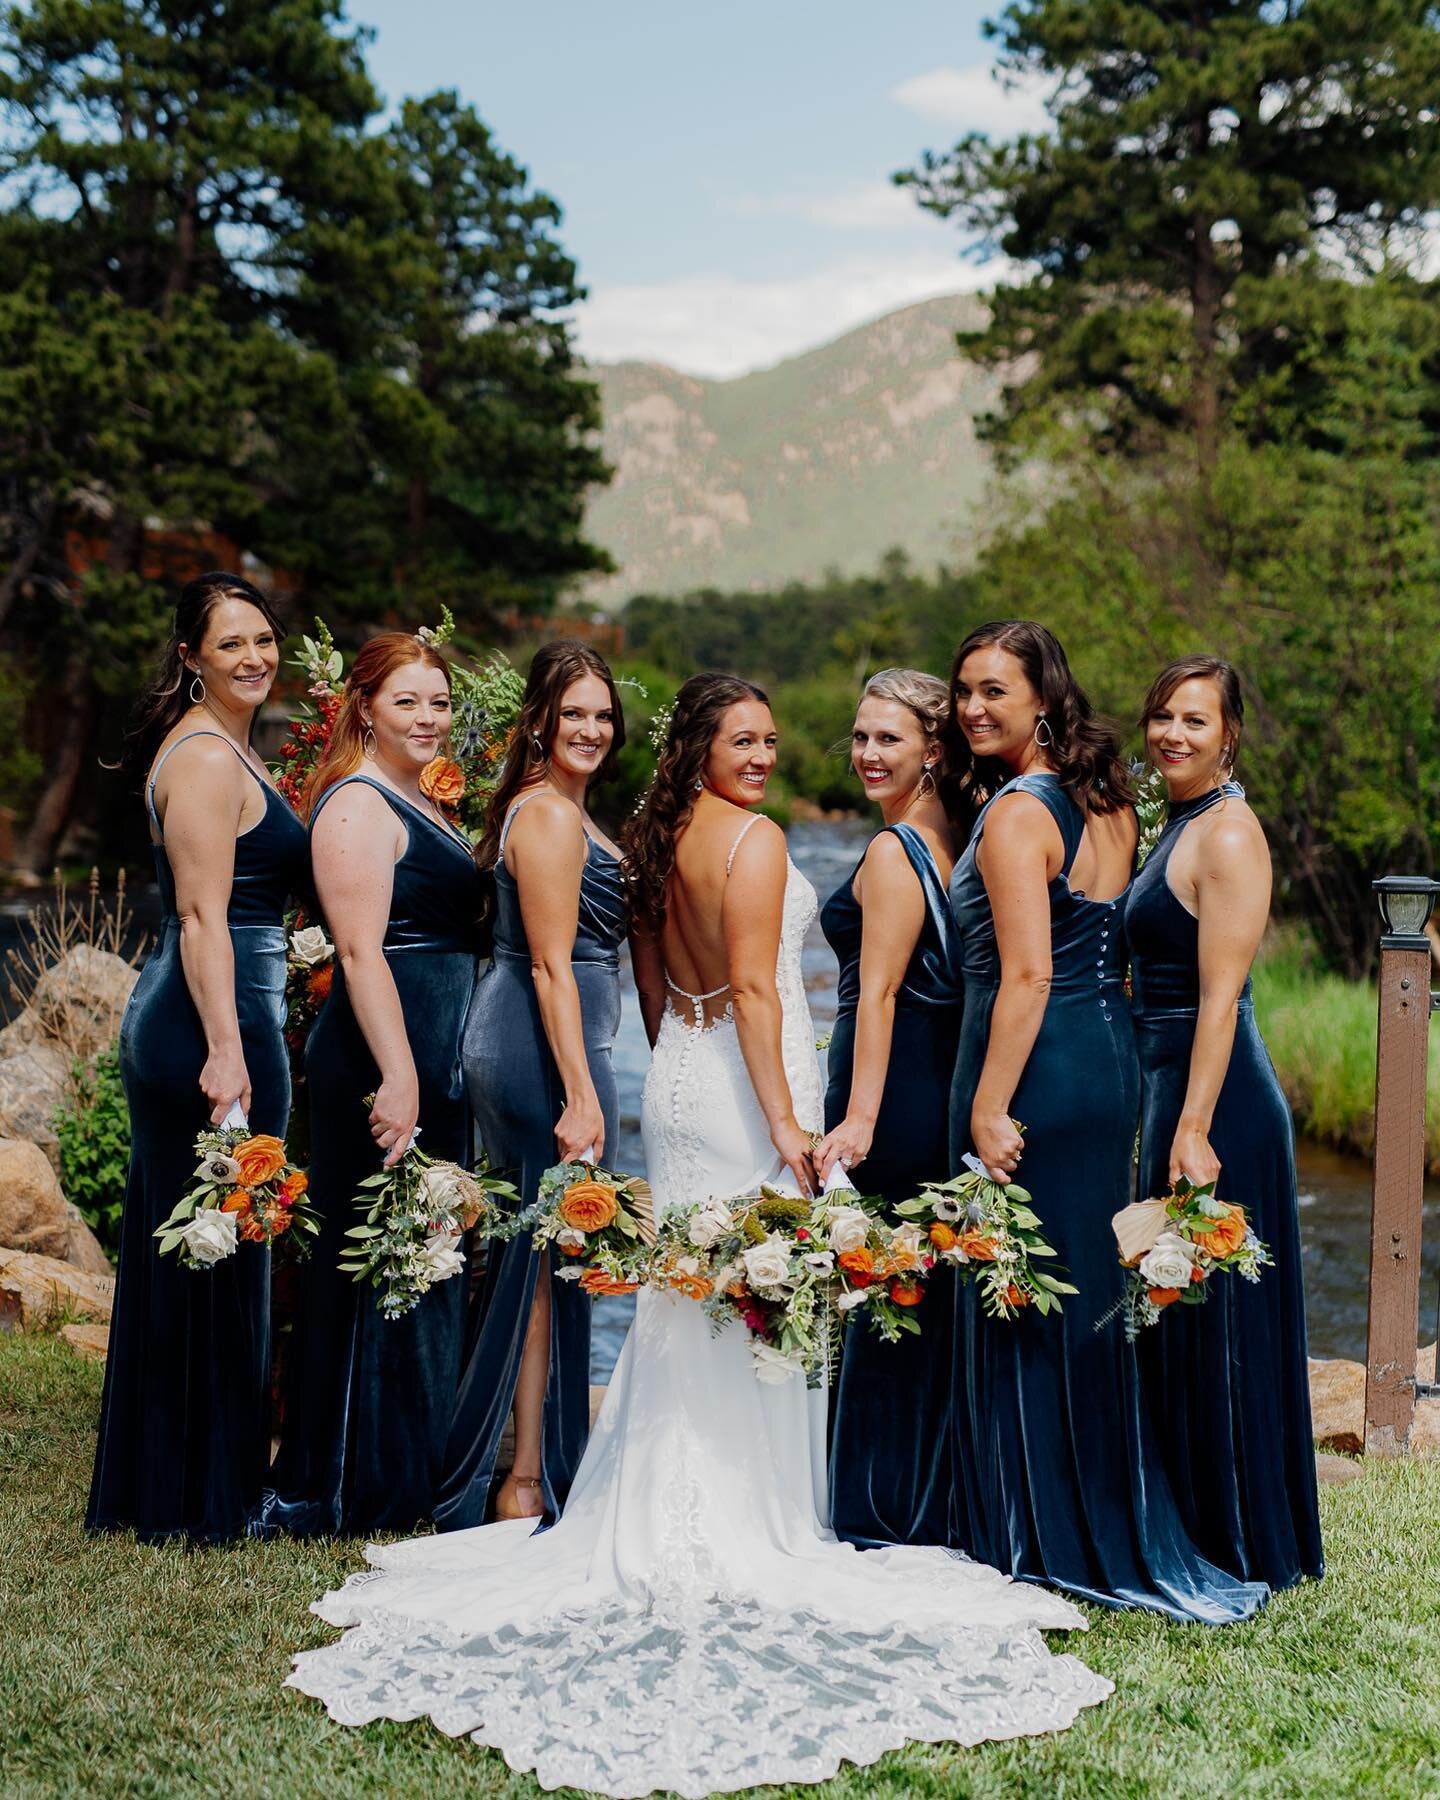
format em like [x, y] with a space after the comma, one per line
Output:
[1334, 1189]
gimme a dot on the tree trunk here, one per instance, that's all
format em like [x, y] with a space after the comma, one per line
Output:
[32, 542]
[76, 713]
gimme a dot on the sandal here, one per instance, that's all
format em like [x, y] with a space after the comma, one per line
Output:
[515, 1510]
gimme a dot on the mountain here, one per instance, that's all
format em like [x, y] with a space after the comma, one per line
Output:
[827, 460]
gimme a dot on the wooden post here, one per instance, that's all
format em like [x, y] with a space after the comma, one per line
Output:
[1398, 1193]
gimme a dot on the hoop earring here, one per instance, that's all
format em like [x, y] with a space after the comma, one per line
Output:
[370, 744]
[197, 699]
[1046, 742]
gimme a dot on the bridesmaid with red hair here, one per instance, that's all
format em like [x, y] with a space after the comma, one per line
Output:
[370, 1398]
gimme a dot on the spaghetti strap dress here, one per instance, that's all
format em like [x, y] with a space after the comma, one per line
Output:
[892, 1479]
[517, 1095]
[1228, 1381]
[369, 1399]
[1063, 1480]
[184, 1421]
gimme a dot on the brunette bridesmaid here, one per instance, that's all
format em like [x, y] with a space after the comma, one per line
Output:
[1227, 1381]
[537, 1063]
[184, 1418]
[370, 1399]
[1063, 1483]
[891, 1059]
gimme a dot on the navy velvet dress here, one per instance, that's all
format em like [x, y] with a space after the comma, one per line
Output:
[517, 1094]
[369, 1399]
[1063, 1482]
[892, 1477]
[184, 1423]
[1227, 1381]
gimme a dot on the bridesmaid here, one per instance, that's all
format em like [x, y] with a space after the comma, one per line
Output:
[1227, 1381]
[537, 1063]
[370, 1398]
[1063, 1483]
[892, 1057]
[184, 1419]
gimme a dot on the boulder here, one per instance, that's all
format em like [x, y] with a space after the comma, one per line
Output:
[83, 1249]
[79, 1001]
[32, 1084]
[92, 1341]
[20, 1033]
[32, 1207]
[1337, 1404]
[34, 1289]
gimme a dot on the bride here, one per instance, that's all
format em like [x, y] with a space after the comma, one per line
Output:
[689, 1622]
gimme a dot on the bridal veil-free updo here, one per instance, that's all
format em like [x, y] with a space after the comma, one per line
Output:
[649, 838]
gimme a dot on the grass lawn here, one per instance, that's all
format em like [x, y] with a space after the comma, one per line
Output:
[133, 1671]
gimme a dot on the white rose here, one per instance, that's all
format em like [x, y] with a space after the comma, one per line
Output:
[906, 1239]
[767, 1264]
[210, 1236]
[1169, 1263]
[568, 1238]
[820, 1262]
[945, 1208]
[311, 946]
[446, 1187]
[440, 1258]
[570, 1274]
[774, 1366]
[847, 1302]
[688, 1265]
[219, 1168]
[708, 1224]
[848, 1227]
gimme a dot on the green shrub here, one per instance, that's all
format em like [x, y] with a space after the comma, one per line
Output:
[93, 1126]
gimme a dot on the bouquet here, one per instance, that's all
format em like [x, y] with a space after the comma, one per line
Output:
[1172, 1246]
[244, 1191]
[415, 1214]
[599, 1225]
[991, 1233]
[879, 1269]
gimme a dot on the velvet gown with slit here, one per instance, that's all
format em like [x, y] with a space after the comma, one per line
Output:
[518, 1096]
[369, 1399]
[1228, 1381]
[892, 1479]
[185, 1416]
[1063, 1480]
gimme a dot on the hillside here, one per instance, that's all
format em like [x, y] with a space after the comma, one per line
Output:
[830, 458]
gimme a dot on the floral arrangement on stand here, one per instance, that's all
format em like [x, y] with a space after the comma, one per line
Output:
[245, 1190]
[599, 1225]
[991, 1233]
[1172, 1245]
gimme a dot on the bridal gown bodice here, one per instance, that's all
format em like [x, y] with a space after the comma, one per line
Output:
[689, 1622]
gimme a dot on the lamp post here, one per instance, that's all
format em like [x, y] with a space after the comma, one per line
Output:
[1399, 1179]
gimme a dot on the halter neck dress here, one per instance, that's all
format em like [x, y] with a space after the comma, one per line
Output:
[1228, 1381]
[184, 1422]
[892, 1479]
[1063, 1481]
[518, 1095]
[368, 1399]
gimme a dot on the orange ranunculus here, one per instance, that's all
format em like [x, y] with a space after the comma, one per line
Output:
[260, 1158]
[906, 1293]
[293, 1186]
[442, 781]
[275, 1218]
[317, 982]
[238, 1201]
[1163, 1296]
[1196, 1273]
[737, 1290]
[252, 1230]
[693, 1287]
[572, 1249]
[1226, 1235]
[1016, 1296]
[978, 1245]
[589, 1206]
[597, 1282]
[859, 1265]
[942, 1237]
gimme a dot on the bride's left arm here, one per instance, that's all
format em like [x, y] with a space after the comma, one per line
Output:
[648, 966]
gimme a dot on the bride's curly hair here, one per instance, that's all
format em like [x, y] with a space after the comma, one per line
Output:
[649, 838]
[1084, 749]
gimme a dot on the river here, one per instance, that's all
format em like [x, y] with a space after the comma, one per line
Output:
[1334, 1189]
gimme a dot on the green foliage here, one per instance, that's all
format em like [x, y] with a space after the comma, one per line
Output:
[93, 1128]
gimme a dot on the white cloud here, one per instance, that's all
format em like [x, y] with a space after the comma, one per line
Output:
[865, 206]
[974, 99]
[723, 325]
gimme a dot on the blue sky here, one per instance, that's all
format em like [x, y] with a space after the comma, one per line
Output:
[723, 170]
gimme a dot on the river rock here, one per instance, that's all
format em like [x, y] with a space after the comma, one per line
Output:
[20, 1033]
[1337, 1404]
[79, 1001]
[33, 1289]
[32, 1085]
[32, 1207]
[92, 1341]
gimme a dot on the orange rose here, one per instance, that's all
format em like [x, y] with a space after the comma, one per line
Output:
[900, 1261]
[275, 1219]
[1163, 1296]
[1016, 1296]
[293, 1187]
[252, 1230]
[906, 1293]
[942, 1237]
[589, 1206]
[317, 982]
[1196, 1274]
[1226, 1235]
[260, 1159]
[442, 781]
[238, 1201]
[859, 1265]
[978, 1245]
[596, 1282]
[572, 1249]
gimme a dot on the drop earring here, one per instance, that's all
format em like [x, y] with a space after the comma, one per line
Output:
[1046, 742]
[370, 744]
[197, 699]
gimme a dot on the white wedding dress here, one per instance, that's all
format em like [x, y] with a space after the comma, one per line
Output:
[689, 1623]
